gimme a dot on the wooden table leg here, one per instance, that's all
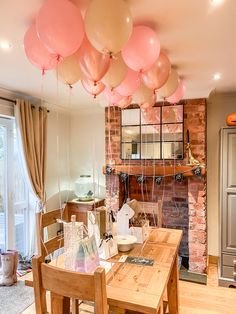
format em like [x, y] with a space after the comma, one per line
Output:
[161, 309]
[173, 289]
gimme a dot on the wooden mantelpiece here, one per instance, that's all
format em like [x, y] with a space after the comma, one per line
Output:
[154, 171]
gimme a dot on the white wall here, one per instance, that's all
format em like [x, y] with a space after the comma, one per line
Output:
[58, 158]
[219, 105]
[87, 143]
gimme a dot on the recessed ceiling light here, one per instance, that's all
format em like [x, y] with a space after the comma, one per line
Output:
[5, 45]
[217, 2]
[217, 76]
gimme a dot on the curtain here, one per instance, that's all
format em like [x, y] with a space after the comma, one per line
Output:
[31, 127]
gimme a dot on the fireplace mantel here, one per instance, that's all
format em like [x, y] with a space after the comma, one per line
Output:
[154, 170]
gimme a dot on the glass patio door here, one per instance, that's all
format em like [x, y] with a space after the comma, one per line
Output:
[14, 209]
[6, 205]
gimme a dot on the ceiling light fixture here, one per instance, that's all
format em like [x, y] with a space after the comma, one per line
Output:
[217, 76]
[5, 45]
[217, 2]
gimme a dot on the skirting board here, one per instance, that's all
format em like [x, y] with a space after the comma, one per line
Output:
[213, 259]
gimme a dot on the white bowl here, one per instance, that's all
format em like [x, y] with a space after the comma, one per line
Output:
[125, 242]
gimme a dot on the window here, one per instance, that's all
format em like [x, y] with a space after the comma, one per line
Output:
[14, 193]
[157, 134]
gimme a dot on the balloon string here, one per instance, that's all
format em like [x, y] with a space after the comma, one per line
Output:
[116, 185]
[174, 190]
[162, 153]
[111, 185]
[109, 136]
[58, 147]
[68, 148]
[153, 179]
[142, 170]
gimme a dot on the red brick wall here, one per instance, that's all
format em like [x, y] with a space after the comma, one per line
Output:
[184, 203]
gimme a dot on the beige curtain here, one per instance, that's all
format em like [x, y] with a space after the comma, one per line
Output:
[31, 124]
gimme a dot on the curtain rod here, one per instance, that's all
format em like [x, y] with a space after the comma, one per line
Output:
[13, 101]
[7, 99]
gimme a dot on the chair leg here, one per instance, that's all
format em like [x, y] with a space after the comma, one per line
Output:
[75, 306]
[39, 292]
[173, 289]
[161, 309]
[59, 304]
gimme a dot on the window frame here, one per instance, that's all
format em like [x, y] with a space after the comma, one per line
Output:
[161, 138]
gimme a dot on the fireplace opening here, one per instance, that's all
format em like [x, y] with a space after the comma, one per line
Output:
[175, 209]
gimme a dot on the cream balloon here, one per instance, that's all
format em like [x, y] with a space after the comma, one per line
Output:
[69, 70]
[108, 25]
[170, 86]
[144, 95]
[116, 73]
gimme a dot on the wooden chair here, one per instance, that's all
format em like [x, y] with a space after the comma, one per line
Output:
[49, 246]
[152, 208]
[46, 220]
[65, 285]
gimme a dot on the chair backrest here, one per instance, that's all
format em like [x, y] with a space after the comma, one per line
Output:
[44, 220]
[152, 209]
[69, 284]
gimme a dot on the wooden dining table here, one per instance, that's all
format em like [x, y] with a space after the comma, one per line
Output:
[142, 288]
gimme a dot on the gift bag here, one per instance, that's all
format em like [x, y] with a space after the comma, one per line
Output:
[108, 247]
[87, 258]
[93, 225]
[73, 233]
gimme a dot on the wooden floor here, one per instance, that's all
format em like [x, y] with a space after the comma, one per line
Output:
[200, 299]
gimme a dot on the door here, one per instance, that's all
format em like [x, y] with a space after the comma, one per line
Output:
[14, 205]
[228, 189]
[6, 203]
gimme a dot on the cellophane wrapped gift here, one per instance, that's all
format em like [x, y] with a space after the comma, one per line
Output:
[87, 258]
[73, 234]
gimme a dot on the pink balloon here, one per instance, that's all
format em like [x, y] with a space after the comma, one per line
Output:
[36, 52]
[130, 84]
[92, 88]
[158, 74]
[112, 96]
[60, 27]
[142, 49]
[178, 94]
[124, 102]
[93, 64]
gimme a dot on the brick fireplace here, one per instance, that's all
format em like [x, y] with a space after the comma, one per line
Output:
[184, 203]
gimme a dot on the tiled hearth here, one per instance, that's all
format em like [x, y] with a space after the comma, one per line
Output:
[184, 203]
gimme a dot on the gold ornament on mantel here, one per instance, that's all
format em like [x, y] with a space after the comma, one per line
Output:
[191, 160]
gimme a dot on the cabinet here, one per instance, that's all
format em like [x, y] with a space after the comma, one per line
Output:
[227, 207]
[82, 211]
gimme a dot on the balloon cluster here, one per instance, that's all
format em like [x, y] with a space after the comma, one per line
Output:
[104, 50]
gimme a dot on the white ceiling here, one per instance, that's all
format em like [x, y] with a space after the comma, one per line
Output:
[197, 36]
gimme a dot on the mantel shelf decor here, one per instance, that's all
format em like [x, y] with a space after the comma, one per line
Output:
[151, 171]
